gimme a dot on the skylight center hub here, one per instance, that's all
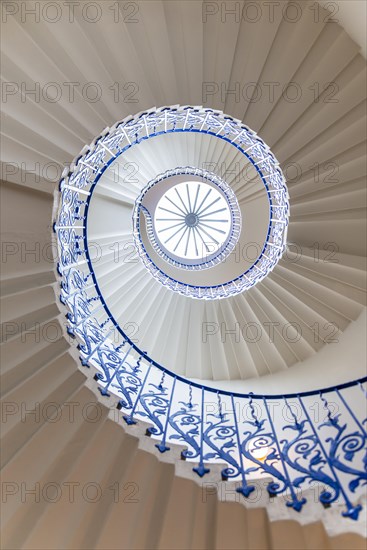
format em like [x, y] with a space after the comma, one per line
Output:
[192, 220]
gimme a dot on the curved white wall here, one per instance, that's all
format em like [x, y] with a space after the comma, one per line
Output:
[352, 15]
[334, 364]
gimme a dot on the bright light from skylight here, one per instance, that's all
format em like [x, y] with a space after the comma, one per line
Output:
[192, 220]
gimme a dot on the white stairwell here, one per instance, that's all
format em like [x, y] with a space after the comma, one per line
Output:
[74, 474]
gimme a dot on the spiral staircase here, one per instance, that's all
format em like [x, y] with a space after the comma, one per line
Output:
[78, 468]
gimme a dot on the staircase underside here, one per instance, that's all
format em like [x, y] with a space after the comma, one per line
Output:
[151, 500]
[77, 441]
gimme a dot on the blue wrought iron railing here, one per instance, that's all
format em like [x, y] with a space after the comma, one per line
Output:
[298, 439]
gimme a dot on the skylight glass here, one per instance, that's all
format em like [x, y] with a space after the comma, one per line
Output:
[192, 220]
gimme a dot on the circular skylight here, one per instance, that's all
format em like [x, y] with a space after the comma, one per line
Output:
[192, 220]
